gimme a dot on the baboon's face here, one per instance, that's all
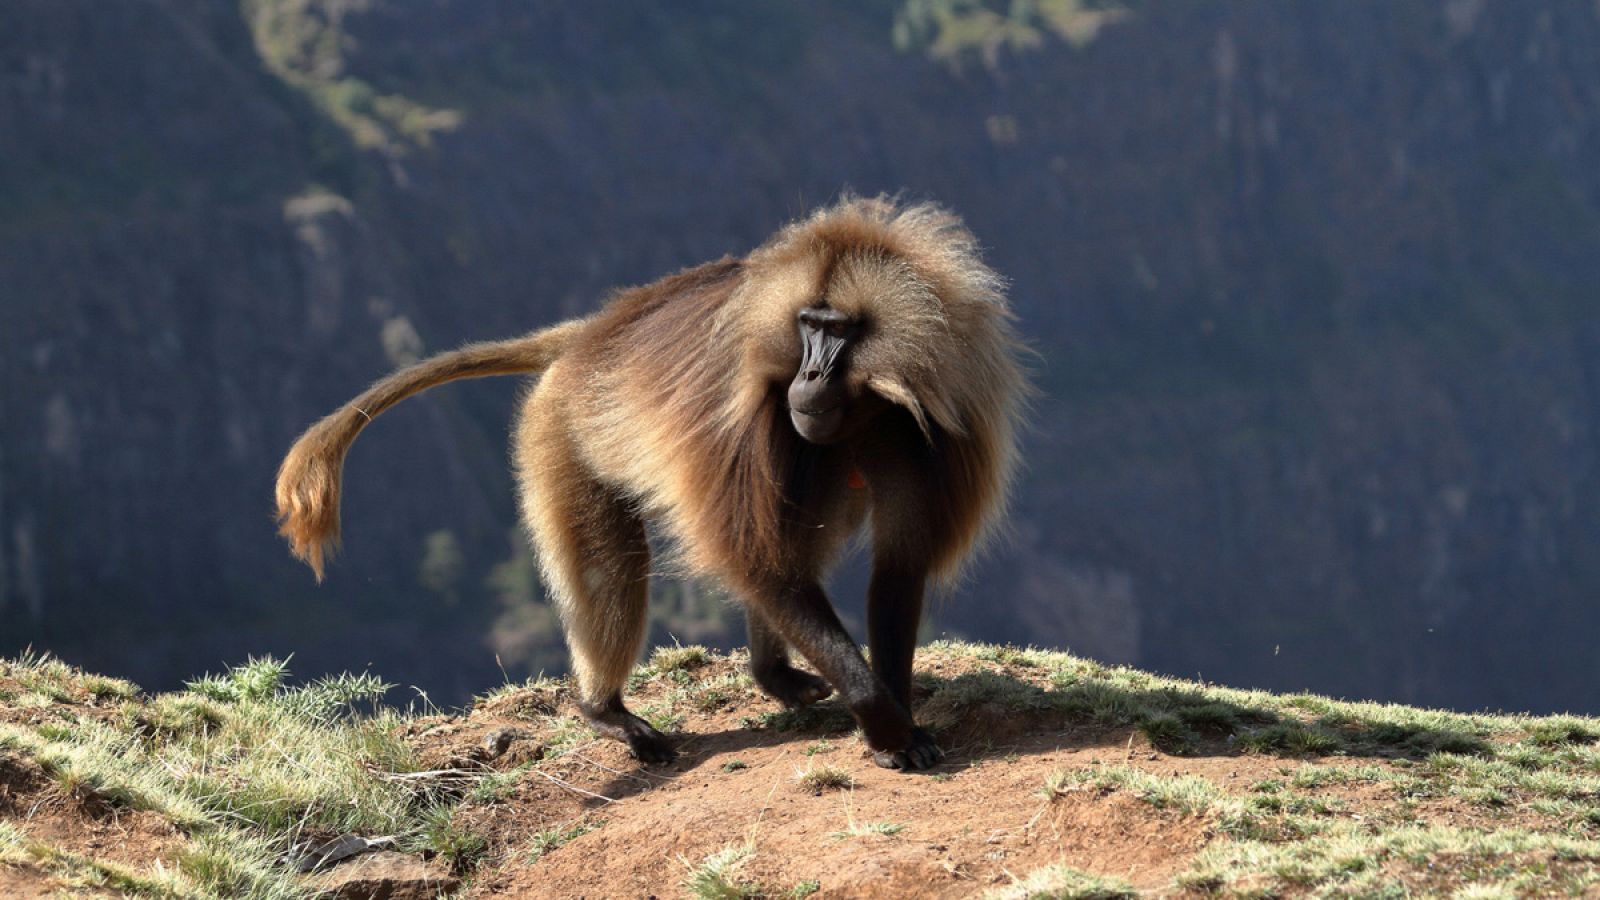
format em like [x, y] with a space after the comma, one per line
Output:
[822, 405]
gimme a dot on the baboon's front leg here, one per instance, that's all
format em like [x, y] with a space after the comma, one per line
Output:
[805, 618]
[771, 669]
[894, 613]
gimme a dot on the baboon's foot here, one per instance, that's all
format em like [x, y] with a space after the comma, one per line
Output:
[650, 746]
[613, 720]
[921, 753]
[794, 688]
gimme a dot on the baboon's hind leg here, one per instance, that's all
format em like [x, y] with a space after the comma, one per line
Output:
[596, 562]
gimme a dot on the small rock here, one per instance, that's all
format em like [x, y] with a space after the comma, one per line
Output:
[496, 742]
[385, 875]
[342, 847]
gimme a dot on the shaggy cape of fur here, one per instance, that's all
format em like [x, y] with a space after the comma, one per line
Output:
[671, 398]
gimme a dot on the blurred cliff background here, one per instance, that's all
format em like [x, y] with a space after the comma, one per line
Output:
[1315, 287]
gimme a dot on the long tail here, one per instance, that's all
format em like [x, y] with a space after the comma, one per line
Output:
[309, 479]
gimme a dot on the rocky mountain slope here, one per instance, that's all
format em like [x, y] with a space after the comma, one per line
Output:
[1312, 286]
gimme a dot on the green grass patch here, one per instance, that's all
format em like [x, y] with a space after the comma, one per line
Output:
[1063, 883]
[1352, 860]
[1289, 738]
[552, 838]
[240, 762]
[715, 879]
[1185, 793]
[663, 720]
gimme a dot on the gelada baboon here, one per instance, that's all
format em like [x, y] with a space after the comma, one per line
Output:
[858, 366]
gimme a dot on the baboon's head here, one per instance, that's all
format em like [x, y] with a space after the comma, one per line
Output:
[870, 306]
[823, 404]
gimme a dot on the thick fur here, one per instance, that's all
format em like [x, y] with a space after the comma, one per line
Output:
[669, 405]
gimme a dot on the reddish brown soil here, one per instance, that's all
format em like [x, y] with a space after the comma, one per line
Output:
[26, 882]
[77, 823]
[978, 821]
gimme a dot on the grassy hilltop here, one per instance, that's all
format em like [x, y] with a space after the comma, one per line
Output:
[1065, 778]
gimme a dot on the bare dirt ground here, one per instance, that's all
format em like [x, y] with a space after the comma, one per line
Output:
[76, 823]
[978, 821]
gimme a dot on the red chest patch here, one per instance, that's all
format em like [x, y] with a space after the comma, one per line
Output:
[857, 480]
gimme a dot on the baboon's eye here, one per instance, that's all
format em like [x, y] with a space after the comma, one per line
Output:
[828, 322]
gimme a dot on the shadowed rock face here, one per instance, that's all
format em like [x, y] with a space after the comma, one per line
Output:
[1312, 286]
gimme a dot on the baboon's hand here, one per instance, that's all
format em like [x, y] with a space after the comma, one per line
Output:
[921, 753]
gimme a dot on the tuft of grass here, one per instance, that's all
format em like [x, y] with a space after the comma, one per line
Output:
[533, 698]
[1560, 730]
[257, 679]
[1103, 704]
[101, 687]
[1060, 782]
[1185, 793]
[679, 659]
[714, 878]
[1063, 883]
[1289, 738]
[713, 694]
[13, 845]
[823, 777]
[173, 715]
[734, 765]
[709, 699]
[233, 865]
[1168, 732]
[439, 834]
[496, 786]
[1350, 859]
[566, 734]
[854, 830]
[551, 838]
[1027, 658]
[1211, 716]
